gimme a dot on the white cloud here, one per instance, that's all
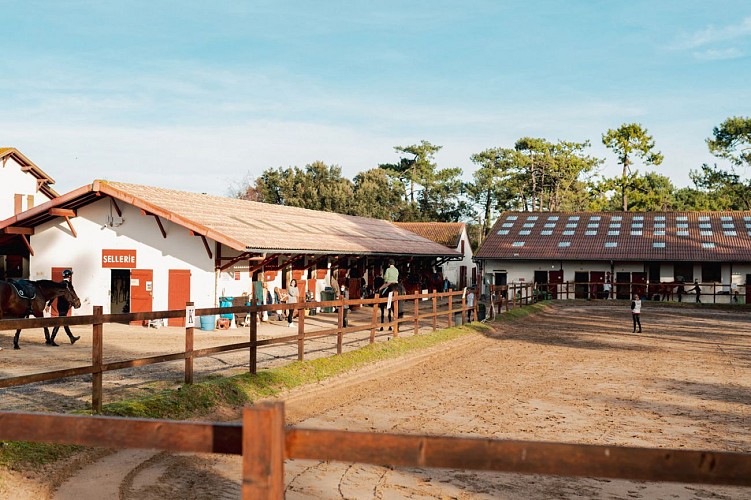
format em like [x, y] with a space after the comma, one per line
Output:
[712, 35]
[719, 54]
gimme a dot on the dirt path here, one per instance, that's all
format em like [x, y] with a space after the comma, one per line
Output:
[570, 374]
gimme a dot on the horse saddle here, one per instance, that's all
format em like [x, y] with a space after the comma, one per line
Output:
[24, 288]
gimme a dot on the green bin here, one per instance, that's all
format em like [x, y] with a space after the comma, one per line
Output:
[327, 295]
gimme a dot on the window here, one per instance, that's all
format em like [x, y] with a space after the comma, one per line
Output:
[659, 217]
[550, 224]
[659, 232]
[637, 225]
[682, 226]
[711, 271]
[681, 218]
[611, 244]
[659, 225]
[546, 232]
[638, 217]
[681, 233]
[658, 244]
[512, 217]
[503, 232]
[528, 224]
[705, 233]
[563, 244]
[571, 224]
[524, 232]
[462, 247]
[508, 224]
[730, 233]
[595, 225]
[595, 217]
[532, 217]
[613, 233]
[703, 218]
[726, 218]
[728, 226]
[553, 217]
[615, 224]
[568, 233]
[573, 217]
[617, 217]
[747, 218]
[707, 244]
[594, 233]
[636, 232]
[517, 244]
[705, 226]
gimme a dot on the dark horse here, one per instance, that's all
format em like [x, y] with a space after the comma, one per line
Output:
[12, 305]
[383, 292]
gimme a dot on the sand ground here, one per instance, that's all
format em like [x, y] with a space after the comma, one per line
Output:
[574, 373]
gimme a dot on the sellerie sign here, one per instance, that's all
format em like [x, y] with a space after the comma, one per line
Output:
[119, 258]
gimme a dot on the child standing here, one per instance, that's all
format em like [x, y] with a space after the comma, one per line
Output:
[636, 312]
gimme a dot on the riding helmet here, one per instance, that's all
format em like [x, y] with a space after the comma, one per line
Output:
[67, 273]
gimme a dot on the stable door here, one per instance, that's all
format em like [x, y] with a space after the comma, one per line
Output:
[141, 291]
[57, 275]
[178, 294]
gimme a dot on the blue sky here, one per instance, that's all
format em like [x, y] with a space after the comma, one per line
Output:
[195, 95]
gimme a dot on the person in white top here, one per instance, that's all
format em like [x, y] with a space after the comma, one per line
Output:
[636, 312]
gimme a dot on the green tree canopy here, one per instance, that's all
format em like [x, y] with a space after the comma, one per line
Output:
[732, 140]
[628, 141]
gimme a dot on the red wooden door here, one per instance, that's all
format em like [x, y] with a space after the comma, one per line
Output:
[555, 278]
[639, 281]
[57, 275]
[598, 278]
[141, 291]
[178, 293]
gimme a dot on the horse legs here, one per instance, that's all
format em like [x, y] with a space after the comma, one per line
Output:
[382, 313]
[15, 339]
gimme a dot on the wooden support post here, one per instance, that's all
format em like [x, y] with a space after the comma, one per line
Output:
[340, 325]
[97, 357]
[253, 361]
[476, 305]
[188, 351]
[435, 310]
[464, 309]
[417, 315]
[396, 314]
[300, 333]
[263, 451]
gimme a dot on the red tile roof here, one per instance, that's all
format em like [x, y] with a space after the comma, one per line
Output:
[445, 233]
[250, 226]
[622, 236]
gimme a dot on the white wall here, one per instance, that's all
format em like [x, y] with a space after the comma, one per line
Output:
[451, 268]
[55, 246]
[14, 181]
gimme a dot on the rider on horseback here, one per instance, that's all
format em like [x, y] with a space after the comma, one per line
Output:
[391, 275]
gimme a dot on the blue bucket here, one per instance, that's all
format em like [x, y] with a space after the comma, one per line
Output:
[208, 322]
[226, 302]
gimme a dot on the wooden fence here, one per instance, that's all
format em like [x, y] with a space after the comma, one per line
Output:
[455, 304]
[265, 443]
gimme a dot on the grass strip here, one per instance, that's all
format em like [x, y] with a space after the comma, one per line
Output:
[192, 401]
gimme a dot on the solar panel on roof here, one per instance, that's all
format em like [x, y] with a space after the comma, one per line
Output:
[637, 225]
[532, 217]
[617, 217]
[524, 232]
[568, 233]
[638, 217]
[728, 226]
[550, 224]
[595, 225]
[659, 232]
[658, 244]
[512, 217]
[635, 233]
[730, 233]
[571, 224]
[707, 244]
[703, 218]
[517, 244]
[590, 233]
[659, 217]
[529, 224]
[507, 224]
[547, 232]
[553, 217]
[573, 217]
[726, 217]
[595, 217]
[611, 244]
[705, 233]
[613, 233]
[705, 226]
[681, 217]
[682, 226]
[564, 244]
[659, 226]
[503, 232]
[681, 233]
[615, 224]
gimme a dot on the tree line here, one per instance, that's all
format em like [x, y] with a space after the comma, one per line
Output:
[533, 175]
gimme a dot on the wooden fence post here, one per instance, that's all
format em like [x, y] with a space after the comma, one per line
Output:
[435, 310]
[396, 314]
[189, 350]
[300, 333]
[417, 315]
[373, 323]
[253, 361]
[450, 320]
[263, 451]
[464, 308]
[97, 350]
[340, 325]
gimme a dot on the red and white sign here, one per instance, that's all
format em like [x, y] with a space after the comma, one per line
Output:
[119, 259]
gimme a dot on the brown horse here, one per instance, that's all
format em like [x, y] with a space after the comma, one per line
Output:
[12, 305]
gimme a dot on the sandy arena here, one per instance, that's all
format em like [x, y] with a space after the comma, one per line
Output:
[573, 373]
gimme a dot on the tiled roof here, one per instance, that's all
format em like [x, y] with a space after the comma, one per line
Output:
[252, 226]
[445, 233]
[623, 236]
[37, 172]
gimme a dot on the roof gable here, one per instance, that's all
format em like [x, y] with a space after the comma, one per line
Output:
[676, 236]
[44, 181]
[445, 233]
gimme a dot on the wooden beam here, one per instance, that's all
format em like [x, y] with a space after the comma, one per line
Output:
[62, 212]
[315, 261]
[161, 227]
[206, 245]
[28, 244]
[72, 229]
[265, 261]
[117, 208]
[18, 230]
[235, 260]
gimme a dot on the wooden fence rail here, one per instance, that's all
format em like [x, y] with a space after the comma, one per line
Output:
[98, 367]
[265, 443]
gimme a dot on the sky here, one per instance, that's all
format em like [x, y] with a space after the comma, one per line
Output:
[198, 95]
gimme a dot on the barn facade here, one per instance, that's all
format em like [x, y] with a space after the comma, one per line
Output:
[624, 252]
[137, 248]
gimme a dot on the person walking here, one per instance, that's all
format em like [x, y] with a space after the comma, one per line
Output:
[470, 302]
[697, 289]
[63, 306]
[293, 294]
[636, 312]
